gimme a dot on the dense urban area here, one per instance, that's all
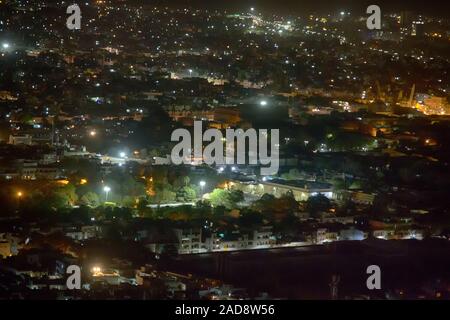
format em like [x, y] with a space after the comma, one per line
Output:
[87, 179]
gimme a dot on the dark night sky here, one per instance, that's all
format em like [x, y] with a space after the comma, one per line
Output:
[430, 7]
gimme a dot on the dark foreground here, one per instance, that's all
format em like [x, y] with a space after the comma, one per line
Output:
[409, 269]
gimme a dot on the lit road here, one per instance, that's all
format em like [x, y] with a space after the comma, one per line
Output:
[171, 205]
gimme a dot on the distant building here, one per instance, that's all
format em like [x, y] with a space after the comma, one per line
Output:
[31, 170]
[24, 139]
[190, 240]
[432, 104]
[301, 189]
[110, 276]
[258, 239]
[362, 197]
[417, 28]
[5, 249]
[82, 233]
[352, 234]
[6, 95]
[223, 117]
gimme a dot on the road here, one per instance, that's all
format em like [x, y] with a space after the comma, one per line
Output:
[171, 205]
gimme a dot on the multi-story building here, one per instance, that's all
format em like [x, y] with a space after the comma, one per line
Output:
[24, 139]
[190, 240]
[301, 189]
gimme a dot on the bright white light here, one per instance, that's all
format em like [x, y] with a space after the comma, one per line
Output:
[342, 13]
[252, 9]
[107, 189]
[202, 183]
[122, 154]
[92, 133]
[233, 168]
[264, 179]
[5, 45]
[221, 169]
[263, 103]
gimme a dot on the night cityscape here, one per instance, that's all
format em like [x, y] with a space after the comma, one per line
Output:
[244, 150]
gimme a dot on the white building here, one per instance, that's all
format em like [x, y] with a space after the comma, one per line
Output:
[301, 189]
[24, 139]
[190, 240]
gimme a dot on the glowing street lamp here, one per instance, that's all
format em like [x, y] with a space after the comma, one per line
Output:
[96, 271]
[92, 133]
[263, 103]
[122, 154]
[5, 45]
[19, 196]
[202, 185]
[107, 190]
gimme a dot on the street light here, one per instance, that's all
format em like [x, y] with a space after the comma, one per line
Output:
[19, 195]
[5, 45]
[107, 190]
[263, 103]
[96, 271]
[202, 185]
[122, 154]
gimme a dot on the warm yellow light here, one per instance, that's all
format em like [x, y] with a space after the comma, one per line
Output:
[83, 181]
[96, 270]
[19, 194]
